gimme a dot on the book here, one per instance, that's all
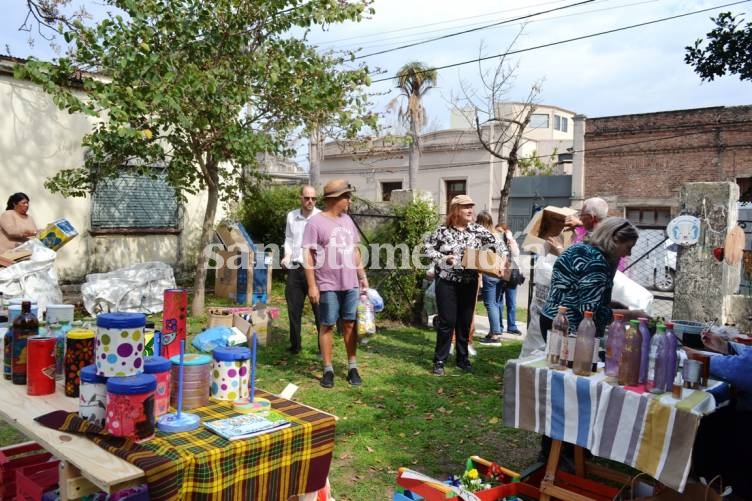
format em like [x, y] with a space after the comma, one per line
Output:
[247, 425]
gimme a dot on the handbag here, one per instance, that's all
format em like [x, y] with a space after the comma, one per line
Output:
[516, 278]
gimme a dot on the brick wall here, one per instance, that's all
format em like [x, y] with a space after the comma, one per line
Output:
[644, 159]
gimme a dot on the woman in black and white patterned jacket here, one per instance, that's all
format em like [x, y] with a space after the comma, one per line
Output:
[456, 287]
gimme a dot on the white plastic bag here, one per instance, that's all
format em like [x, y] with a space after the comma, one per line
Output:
[138, 288]
[631, 294]
[35, 278]
[376, 300]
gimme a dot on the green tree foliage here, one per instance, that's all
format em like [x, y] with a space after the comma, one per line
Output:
[728, 50]
[264, 211]
[534, 165]
[401, 287]
[200, 88]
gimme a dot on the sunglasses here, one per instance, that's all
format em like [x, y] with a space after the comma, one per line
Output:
[308, 198]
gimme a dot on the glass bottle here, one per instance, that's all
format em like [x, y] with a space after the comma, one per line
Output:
[561, 325]
[672, 360]
[584, 346]
[614, 344]
[554, 339]
[24, 326]
[657, 379]
[645, 350]
[629, 364]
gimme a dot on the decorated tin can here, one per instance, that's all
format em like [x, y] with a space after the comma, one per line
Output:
[130, 406]
[92, 396]
[40, 367]
[196, 380]
[160, 368]
[120, 344]
[230, 373]
[79, 352]
[173, 321]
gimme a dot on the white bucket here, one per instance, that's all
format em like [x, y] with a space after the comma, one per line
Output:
[59, 313]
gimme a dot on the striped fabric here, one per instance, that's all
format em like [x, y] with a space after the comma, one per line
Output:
[201, 465]
[653, 433]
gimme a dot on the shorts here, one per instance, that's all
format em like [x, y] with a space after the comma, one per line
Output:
[334, 305]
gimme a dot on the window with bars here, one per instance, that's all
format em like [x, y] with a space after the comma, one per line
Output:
[135, 202]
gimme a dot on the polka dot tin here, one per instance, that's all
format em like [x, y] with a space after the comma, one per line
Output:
[230, 373]
[120, 344]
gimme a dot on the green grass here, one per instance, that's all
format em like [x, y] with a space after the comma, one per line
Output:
[402, 415]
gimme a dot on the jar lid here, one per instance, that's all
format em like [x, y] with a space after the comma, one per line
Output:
[191, 359]
[79, 334]
[121, 320]
[132, 385]
[89, 374]
[232, 353]
[155, 364]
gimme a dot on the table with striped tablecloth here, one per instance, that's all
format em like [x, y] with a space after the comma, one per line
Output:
[653, 433]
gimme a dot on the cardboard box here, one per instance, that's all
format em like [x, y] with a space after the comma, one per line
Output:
[485, 261]
[262, 324]
[57, 234]
[242, 276]
[13, 256]
[548, 222]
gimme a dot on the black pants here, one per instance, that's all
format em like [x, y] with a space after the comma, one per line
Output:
[545, 324]
[455, 304]
[296, 293]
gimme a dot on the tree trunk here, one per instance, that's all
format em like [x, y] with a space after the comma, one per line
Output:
[199, 283]
[504, 194]
[314, 157]
[414, 151]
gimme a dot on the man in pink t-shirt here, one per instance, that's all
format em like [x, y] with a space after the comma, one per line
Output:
[335, 275]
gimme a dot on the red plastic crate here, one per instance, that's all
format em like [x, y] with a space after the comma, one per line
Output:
[33, 481]
[14, 457]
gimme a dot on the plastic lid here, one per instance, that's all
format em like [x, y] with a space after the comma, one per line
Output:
[191, 359]
[618, 316]
[79, 334]
[669, 325]
[121, 320]
[232, 353]
[88, 374]
[132, 385]
[660, 328]
[153, 365]
[563, 309]
[634, 322]
[588, 314]
[643, 319]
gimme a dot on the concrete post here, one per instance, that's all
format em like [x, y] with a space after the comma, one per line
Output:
[703, 284]
[578, 160]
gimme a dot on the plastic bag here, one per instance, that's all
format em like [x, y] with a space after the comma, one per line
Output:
[631, 294]
[376, 300]
[137, 288]
[35, 278]
[218, 337]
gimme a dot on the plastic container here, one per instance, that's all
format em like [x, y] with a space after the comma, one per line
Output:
[130, 406]
[79, 352]
[688, 332]
[160, 368]
[230, 373]
[196, 380]
[92, 396]
[584, 346]
[14, 310]
[120, 344]
[59, 313]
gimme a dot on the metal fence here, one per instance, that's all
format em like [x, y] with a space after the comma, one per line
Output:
[653, 265]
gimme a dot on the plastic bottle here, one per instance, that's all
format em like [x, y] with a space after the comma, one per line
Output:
[629, 364]
[366, 319]
[584, 346]
[554, 339]
[561, 325]
[25, 326]
[645, 350]
[658, 380]
[614, 345]
[672, 359]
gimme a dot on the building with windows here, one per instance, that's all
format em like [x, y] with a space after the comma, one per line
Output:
[453, 161]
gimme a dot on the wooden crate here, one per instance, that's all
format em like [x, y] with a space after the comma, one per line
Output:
[14, 457]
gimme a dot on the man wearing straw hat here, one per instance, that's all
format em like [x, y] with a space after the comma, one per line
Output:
[335, 275]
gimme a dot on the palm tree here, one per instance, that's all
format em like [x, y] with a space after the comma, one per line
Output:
[414, 80]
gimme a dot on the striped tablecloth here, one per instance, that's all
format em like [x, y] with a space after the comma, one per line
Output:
[653, 433]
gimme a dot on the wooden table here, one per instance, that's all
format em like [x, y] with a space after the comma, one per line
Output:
[293, 459]
[652, 433]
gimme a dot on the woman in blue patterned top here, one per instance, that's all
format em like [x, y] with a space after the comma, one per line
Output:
[583, 277]
[456, 287]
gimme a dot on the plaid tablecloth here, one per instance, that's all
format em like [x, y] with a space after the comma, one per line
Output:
[653, 433]
[201, 465]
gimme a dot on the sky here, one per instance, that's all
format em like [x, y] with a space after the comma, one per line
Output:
[636, 70]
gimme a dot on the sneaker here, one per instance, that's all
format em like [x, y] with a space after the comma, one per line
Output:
[353, 377]
[327, 380]
[438, 369]
[491, 338]
[293, 351]
[451, 349]
[514, 331]
[466, 367]
[471, 351]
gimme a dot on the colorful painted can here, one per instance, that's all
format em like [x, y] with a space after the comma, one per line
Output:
[173, 321]
[120, 344]
[160, 368]
[79, 352]
[40, 368]
[7, 353]
[230, 373]
[196, 380]
[130, 406]
[92, 396]
[59, 313]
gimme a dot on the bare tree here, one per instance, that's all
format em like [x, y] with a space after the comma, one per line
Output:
[499, 123]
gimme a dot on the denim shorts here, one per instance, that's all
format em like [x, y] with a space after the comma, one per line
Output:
[334, 305]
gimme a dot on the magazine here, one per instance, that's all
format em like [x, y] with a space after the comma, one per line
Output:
[247, 425]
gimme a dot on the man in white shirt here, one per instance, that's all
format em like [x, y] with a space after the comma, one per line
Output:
[297, 288]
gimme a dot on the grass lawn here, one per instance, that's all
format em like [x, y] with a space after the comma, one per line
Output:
[402, 415]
